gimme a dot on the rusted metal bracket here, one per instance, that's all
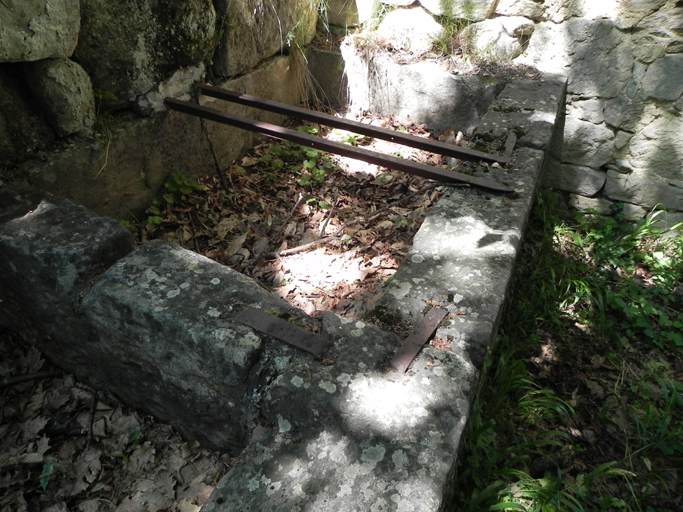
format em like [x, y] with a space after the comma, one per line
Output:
[284, 331]
[413, 344]
[305, 139]
[376, 132]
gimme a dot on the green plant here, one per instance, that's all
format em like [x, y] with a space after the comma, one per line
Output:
[178, 187]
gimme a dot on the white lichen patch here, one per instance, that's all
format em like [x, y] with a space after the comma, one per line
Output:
[343, 379]
[400, 459]
[215, 281]
[213, 313]
[417, 258]
[172, 294]
[401, 290]
[184, 286]
[328, 386]
[297, 381]
[283, 425]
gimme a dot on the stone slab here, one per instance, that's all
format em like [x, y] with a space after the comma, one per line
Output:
[51, 251]
[165, 323]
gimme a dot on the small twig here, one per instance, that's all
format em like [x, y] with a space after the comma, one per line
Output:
[91, 420]
[329, 216]
[18, 379]
[216, 164]
[291, 214]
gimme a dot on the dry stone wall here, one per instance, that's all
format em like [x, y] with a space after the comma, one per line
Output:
[82, 84]
[623, 60]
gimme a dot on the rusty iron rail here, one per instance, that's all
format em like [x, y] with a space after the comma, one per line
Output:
[376, 132]
[305, 139]
[412, 345]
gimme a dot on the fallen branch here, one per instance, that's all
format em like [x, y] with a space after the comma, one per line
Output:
[18, 379]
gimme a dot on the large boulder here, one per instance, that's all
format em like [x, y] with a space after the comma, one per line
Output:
[497, 39]
[411, 30]
[65, 93]
[351, 13]
[587, 144]
[38, 29]
[252, 30]
[127, 47]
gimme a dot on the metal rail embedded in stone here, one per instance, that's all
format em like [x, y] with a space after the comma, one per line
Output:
[371, 157]
[284, 331]
[413, 344]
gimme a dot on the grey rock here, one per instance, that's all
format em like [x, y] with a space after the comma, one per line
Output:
[127, 47]
[51, 252]
[587, 144]
[664, 78]
[65, 93]
[351, 13]
[491, 40]
[473, 10]
[632, 12]
[412, 30]
[577, 179]
[591, 110]
[621, 139]
[670, 222]
[38, 29]
[598, 204]
[254, 30]
[624, 113]
[164, 318]
[527, 8]
[655, 147]
[647, 192]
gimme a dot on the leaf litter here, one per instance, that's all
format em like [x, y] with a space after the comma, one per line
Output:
[321, 232]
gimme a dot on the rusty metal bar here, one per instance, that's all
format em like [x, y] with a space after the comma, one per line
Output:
[284, 331]
[413, 344]
[305, 139]
[353, 126]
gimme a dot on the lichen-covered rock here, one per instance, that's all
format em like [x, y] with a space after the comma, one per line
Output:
[127, 47]
[252, 30]
[473, 10]
[491, 40]
[648, 191]
[574, 178]
[64, 90]
[663, 79]
[38, 29]
[164, 318]
[587, 144]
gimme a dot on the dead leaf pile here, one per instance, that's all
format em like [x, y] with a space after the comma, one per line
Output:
[320, 231]
[65, 447]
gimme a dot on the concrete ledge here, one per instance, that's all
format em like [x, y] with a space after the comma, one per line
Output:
[341, 433]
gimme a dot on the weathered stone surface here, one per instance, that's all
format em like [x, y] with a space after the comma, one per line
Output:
[366, 439]
[437, 98]
[38, 29]
[658, 33]
[127, 47]
[491, 40]
[65, 93]
[574, 178]
[664, 78]
[598, 204]
[624, 113]
[645, 191]
[329, 80]
[255, 30]
[50, 252]
[164, 322]
[527, 8]
[120, 172]
[656, 148]
[351, 13]
[668, 221]
[591, 110]
[413, 30]
[587, 144]
[632, 12]
[23, 129]
[583, 49]
[474, 10]
[529, 108]
[179, 86]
